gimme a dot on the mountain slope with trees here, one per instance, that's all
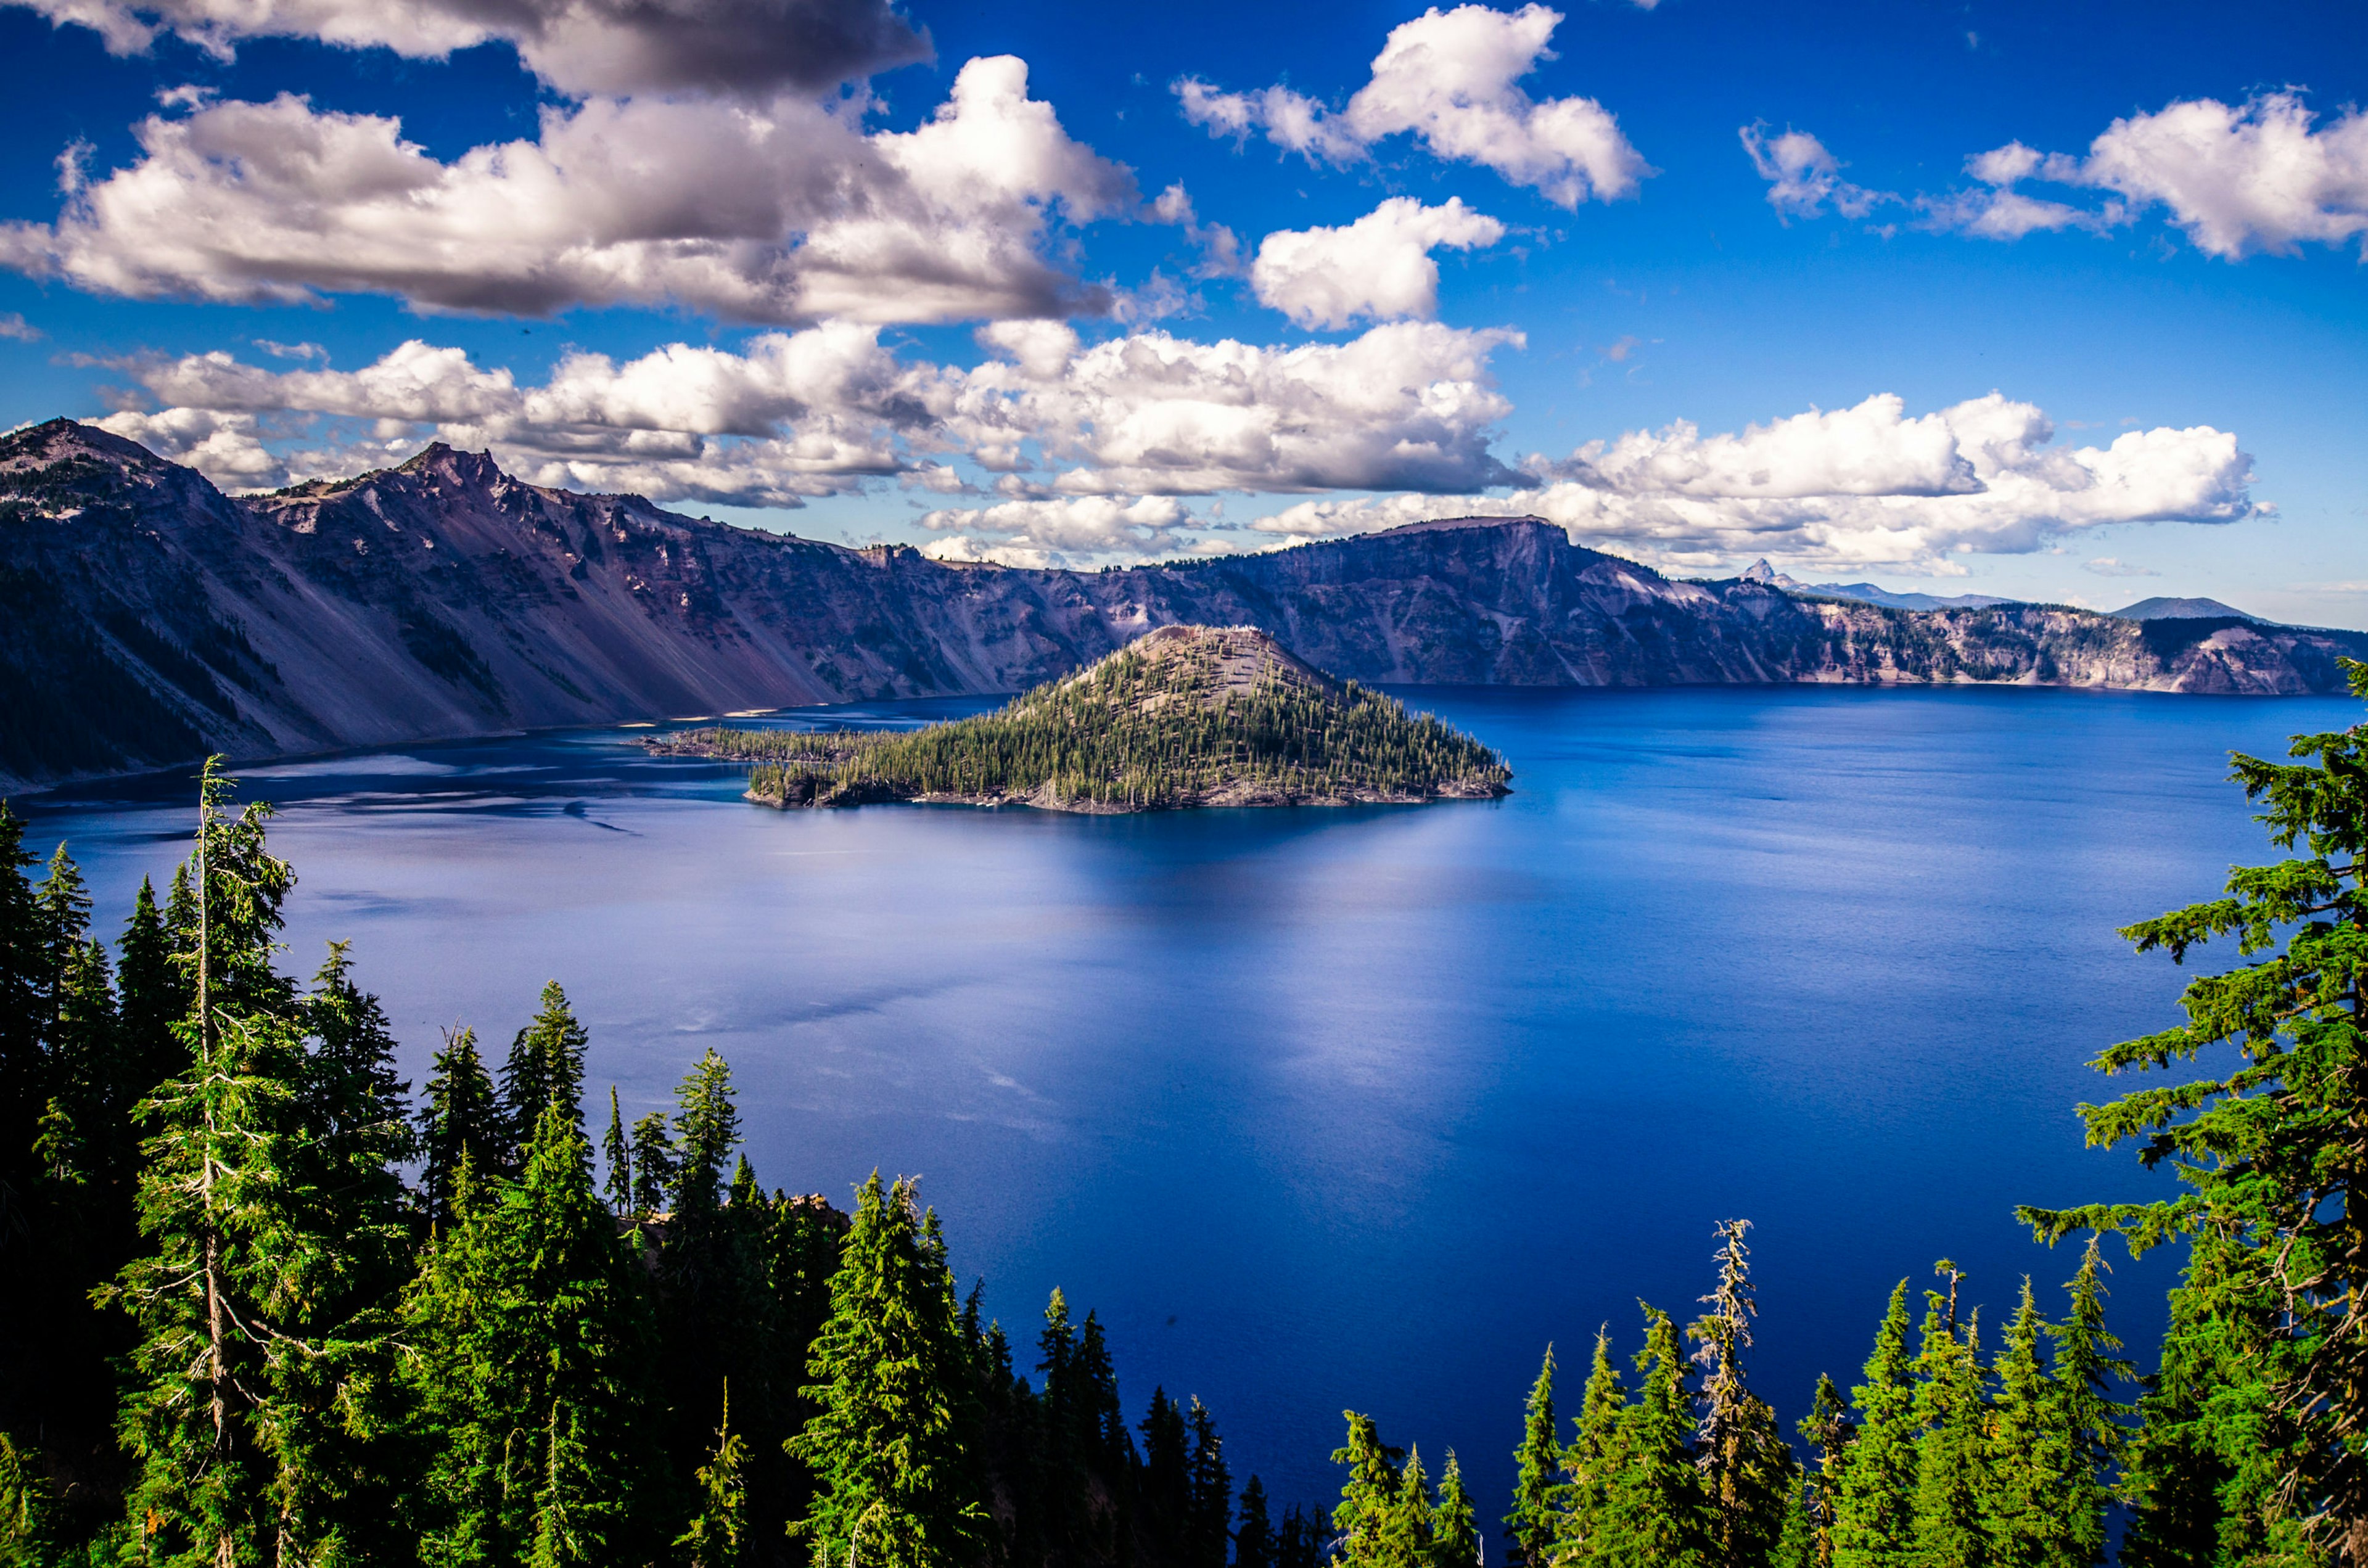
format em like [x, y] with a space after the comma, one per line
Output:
[148, 619]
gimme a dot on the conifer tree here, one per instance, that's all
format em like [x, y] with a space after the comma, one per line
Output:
[1455, 1534]
[1951, 1409]
[1408, 1534]
[719, 1525]
[1369, 1494]
[2269, 1385]
[533, 1338]
[890, 1443]
[654, 1164]
[1254, 1543]
[1653, 1514]
[1748, 1471]
[545, 1067]
[462, 1129]
[2086, 1419]
[1531, 1526]
[1874, 1507]
[1592, 1462]
[24, 1086]
[26, 1510]
[618, 1156]
[1210, 1511]
[151, 997]
[1828, 1430]
[2027, 1505]
[1303, 1539]
[706, 1131]
[249, 1309]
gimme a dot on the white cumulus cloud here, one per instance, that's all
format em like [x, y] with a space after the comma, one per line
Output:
[577, 46]
[782, 211]
[2235, 179]
[1378, 268]
[1863, 487]
[1451, 80]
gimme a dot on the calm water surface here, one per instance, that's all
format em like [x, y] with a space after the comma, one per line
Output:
[1334, 1108]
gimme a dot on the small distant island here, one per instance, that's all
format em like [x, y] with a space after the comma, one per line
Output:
[1184, 716]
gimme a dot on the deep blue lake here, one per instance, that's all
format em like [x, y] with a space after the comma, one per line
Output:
[1351, 1108]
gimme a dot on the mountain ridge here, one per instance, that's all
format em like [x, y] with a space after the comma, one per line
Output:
[152, 618]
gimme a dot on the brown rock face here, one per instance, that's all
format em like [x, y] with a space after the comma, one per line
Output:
[146, 618]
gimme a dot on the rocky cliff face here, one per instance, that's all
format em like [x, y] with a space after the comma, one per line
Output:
[145, 618]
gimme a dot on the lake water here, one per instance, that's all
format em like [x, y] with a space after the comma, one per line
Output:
[1351, 1107]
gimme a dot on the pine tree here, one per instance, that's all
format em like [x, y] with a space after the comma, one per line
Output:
[1653, 1514]
[2026, 1507]
[24, 1079]
[462, 1135]
[533, 1341]
[1254, 1543]
[1592, 1462]
[890, 1443]
[1531, 1526]
[1455, 1526]
[1303, 1538]
[706, 1131]
[654, 1165]
[545, 1067]
[1211, 1507]
[2085, 1418]
[1952, 1408]
[1828, 1430]
[719, 1525]
[253, 1305]
[2271, 1388]
[1369, 1494]
[1874, 1507]
[618, 1156]
[1748, 1471]
[151, 996]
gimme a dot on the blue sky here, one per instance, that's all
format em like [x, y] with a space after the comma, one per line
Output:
[1678, 251]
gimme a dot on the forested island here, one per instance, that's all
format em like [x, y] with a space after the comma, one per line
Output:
[1183, 716]
[260, 1308]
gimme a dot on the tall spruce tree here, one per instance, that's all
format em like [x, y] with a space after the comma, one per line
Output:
[1747, 1470]
[1210, 1509]
[1952, 1407]
[533, 1341]
[617, 1156]
[151, 996]
[545, 1067]
[1529, 1528]
[250, 1310]
[1654, 1514]
[1455, 1531]
[890, 1443]
[1253, 1537]
[1829, 1431]
[1874, 1506]
[1368, 1498]
[718, 1535]
[2086, 1418]
[1593, 1461]
[2027, 1505]
[706, 1131]
[2269, 1334]
[654, 1164]
[464, 1136]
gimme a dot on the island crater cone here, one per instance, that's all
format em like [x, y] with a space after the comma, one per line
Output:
[1183, 716]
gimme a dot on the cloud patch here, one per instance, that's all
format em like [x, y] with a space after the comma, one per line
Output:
[751, 48]
[2236, 179]
[778, 212]
[1377, 268]
[1451, 80]
[1861, 487]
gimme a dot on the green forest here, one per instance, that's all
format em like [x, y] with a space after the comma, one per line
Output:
[1173, 720]
[263, 1306]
